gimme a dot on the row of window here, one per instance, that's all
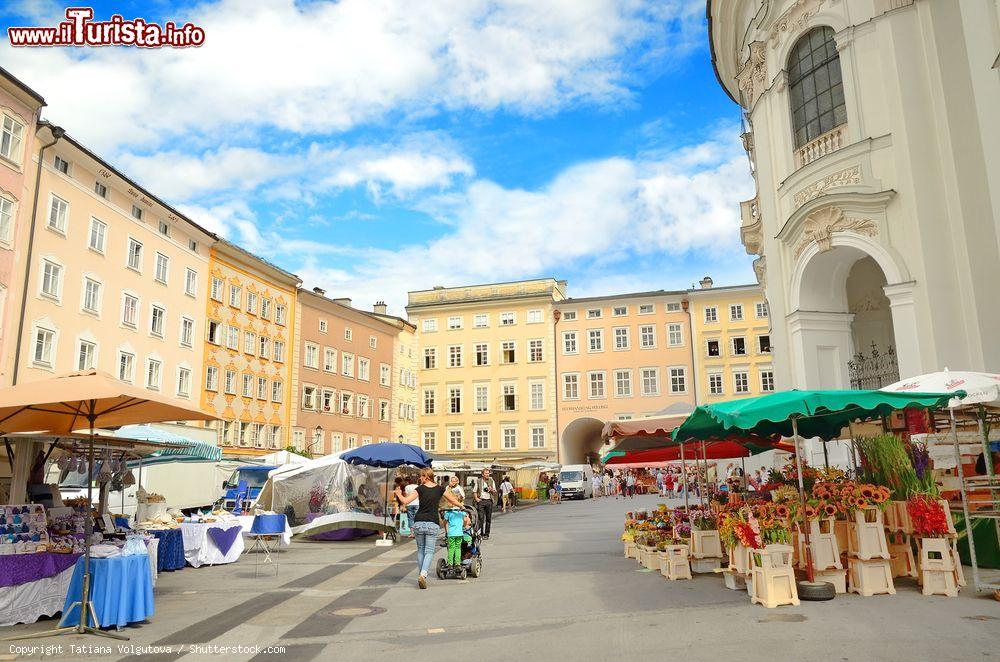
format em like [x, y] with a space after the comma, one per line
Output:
[482, 320]
[253, 386]
[621, 338]
[507, 400]
[740, 382]
[737, 346]
[311, 359]
[338, 440]
[621, 311]
[595, 383]
[254, 344]
[735, 312]
[481, 439]
[348, 334]
[346, 403]
[252, 301]
[481, 354]
[251, 435]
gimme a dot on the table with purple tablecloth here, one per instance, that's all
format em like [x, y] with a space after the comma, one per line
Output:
[33, 585]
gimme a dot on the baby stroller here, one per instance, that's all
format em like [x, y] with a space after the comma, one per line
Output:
[472, 557]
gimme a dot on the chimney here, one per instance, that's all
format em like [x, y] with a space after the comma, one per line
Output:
[439, 287]
[319, 290]
[706, 283]
[343, 301]
[380, 308]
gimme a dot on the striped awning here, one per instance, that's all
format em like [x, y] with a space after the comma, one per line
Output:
[192, 450]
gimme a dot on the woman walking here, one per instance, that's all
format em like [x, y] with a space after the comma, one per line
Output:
[425, 525]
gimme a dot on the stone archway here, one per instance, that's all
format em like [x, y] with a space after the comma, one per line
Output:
[580, 438]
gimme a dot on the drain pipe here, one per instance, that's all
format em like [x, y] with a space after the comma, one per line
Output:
[556, 315]
[57, 133]
[686, 305]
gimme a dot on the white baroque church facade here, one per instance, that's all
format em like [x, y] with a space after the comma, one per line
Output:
[873, 130]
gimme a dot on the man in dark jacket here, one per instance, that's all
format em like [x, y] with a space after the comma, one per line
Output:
[485, 493]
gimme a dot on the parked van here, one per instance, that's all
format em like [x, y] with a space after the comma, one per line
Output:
[577, 481]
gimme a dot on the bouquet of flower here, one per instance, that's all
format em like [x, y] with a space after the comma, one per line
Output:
[928, 516]
[682, 530]
[703, 519]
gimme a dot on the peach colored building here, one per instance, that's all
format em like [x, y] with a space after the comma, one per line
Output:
[19, 110]
[116, 278]
[620, 357]
[249, 326]
[343, 375]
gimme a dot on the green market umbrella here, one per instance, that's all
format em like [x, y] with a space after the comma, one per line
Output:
[800, 414]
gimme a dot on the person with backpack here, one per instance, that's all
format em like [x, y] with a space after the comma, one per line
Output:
[485, 491]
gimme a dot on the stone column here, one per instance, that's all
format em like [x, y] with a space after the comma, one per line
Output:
[904, 324]
[820, 345]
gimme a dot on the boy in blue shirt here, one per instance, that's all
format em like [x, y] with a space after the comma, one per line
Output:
[456, 519]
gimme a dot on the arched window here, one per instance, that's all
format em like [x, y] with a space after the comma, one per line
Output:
[815, 85]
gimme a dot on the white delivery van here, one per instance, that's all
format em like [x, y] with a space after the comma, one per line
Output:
[577, 481]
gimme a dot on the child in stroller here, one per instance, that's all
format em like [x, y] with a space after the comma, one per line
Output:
[465, 558]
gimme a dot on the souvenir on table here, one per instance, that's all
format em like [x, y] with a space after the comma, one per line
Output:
[24, 528]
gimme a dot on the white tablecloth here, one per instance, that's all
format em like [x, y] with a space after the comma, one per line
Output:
[26, 603]
[246, 521]
[200, 549]
[152, 547]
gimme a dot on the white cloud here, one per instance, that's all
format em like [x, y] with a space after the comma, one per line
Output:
[325, 67]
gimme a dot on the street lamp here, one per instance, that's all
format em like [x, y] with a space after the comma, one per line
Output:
[317, 439]
[400, 438]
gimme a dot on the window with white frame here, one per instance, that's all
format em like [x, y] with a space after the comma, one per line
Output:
[537, 436]
[211, 378]
[187, 332]
[162, 271]
[230, 384]
[569, 342]
[650, 381]
[766, 381]
[454, 356]
[595, 340]
[430, 401]
[596, 380]
[593, 313]
[764, 344]
[482, 439]
[277, 389]
[508, 397]
[508, 353]
[678, 380]
[482, 353]
[136, 212]
[217, 288]
[184, 382]
[454, 440]
[329, 359]
[430, 440]
[346, 364]
[741, 382]
[215, 332]
[534, 317]
[455, 322]
[373, 342]
[235, 296]
[673, 307]
[280, 314]
[262, 388]
[675, 335]
[86, 355]
[233, 337]
[97, 240]
[509, 437]
[192, 245]
[647, 336]
[739, 346]
[164, 228]
[619, 311]
[328, 401]
[364, 369]
[51, 279]
[623, 383]
[482, 400]
[535, 354]
[348, 334]
[646, 309]
[711, 315]
[621, 338]
[311, 356]
[736, 312]
[11, 139]
[455, 399]
[430, 358]
[323, 326]
[91, 295]
[712, 348]
[265, 308]
[536, 396]
[6, 219]
[762, 311]
[251, 302]
[58, 213]
[247, 386]
[264, 348]
[157, 320]
[134, 256]
[190, 282]
[383, 410]
[101, 190]
[310, 400]
[569, 315]
[481, 320]
[352, 440]
[249, 342]
[279, 351]
[61, 164]
[346, 403]
[507, 319]
[130, 310]
[430, 325]
[126, 368]
[715, 386]
[384, 374]
[571, 386]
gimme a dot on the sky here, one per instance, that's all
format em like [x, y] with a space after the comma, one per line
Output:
[374, 147]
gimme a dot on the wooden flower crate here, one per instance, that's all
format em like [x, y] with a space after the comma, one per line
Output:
[836, 576]
[869, 577]
[938, 572]
[706, 544]
[630, 551]
[823, 541]
[676, 562]
[772, 576]
[866, 539]
[901, 557]
[738, 560]
[647, 557]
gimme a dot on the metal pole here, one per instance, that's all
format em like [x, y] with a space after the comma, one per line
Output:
[810, 572]
[965, 502]
[703, 479]
[854, 450]
[684, 477]
[88, 529]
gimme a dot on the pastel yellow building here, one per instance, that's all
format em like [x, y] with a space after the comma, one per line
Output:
[248, 351]
[732, 342]
[487, 370]
[115, 278]
[404, 385]
[620, 357]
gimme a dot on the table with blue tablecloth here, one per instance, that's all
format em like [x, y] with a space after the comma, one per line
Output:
[33, 585]
[120, 588]
[170, 551]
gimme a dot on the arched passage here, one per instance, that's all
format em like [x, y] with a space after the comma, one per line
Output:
[579, 439]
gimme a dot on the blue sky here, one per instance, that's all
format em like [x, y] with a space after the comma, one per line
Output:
[377, 146]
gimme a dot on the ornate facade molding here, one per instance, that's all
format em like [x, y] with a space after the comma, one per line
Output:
[794, 19]
[844, 177]
[820, 225]
[752, 78]
[760, 270]
[751, 230]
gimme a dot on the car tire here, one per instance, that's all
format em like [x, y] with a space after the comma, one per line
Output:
[816, 591]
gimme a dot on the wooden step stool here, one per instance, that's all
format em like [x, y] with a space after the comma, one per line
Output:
[869, 577]
[937, 568]
[772, 576]
[866, 538]
[901, 557]
[823, 541]
[676, 562]
[706, 544]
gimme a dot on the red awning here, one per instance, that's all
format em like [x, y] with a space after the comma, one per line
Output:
[714, 450]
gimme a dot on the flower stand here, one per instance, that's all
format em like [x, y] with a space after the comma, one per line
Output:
[772, 576]
[835, 576]
[705, 566]
[840, 529]
[662, 557]
[648, 558]
[901, 555]
[867, 535]
[869, 577]
[823, 540]
[706, 544]
[738, 560]
[677, 564]
[630, 551]
[937, 568]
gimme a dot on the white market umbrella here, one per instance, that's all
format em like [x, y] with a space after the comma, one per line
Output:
[982, 388]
